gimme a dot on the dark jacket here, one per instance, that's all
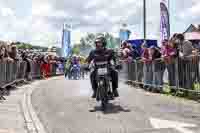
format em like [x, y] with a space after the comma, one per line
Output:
[101, 55]
[159, 65]
[157, 54]
[28, 63]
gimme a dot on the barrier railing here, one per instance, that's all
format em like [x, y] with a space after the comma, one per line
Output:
[17, 71]
[177, 74]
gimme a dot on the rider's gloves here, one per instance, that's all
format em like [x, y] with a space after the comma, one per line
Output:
[118, 67]
[87, 68]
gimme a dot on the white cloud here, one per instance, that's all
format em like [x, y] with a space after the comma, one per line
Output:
[41, 9]
[46, 10]
[102, 14]
[195, 9]
[42, 20]
[87, 17]
[6, 12]
[92, 3]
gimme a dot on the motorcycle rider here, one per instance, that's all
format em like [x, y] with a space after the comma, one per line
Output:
[74, 61]
[102, 54]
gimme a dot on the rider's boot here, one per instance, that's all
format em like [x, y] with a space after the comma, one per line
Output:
[115, 92]
[94, 95]
[110, 93]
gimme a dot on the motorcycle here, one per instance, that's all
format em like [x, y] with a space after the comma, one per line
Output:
[104, 92]
[75, 72]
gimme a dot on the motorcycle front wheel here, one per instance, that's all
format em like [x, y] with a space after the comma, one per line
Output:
[104, 104]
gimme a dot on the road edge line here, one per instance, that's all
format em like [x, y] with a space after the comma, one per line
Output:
[35, 119]
[32, 121]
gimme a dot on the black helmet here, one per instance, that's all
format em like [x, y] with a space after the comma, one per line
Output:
[101, 39]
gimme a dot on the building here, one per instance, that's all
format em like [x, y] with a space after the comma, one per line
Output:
[192, 32]
[193, 28]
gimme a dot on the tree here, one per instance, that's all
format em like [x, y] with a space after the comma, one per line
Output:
[112, 42]
[83, 42]
[76, 49]
[89, 39]
[24, 45]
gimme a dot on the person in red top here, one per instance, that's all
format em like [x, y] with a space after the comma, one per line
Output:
[126, 52]
[45, 68]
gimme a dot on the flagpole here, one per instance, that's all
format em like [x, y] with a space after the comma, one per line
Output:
[169, 18]
[144, 19]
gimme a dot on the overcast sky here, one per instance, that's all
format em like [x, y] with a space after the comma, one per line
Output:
[40, 21]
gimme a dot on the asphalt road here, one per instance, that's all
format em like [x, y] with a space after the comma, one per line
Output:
[66, 107]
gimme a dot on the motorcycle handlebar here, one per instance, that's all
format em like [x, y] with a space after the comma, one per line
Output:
[117, 67]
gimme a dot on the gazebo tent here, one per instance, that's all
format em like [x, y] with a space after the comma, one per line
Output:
[192, 36]
[137, 43]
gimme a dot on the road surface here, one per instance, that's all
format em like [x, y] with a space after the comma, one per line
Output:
[66, 107]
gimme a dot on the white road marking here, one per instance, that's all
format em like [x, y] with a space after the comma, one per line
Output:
[179, 126]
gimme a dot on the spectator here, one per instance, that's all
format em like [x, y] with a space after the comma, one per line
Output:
[187, 68]
[13, 53]
[196, 45]
[147, 67]
[135, 53]
[126, 50]
[60, 67]
[45, 67]
[169, 56]
[67, 67]
[28, 67]
[4, 54]
[184, 46]
[53, 64]
[158, 68]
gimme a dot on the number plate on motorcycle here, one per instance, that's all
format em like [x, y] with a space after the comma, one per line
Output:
[102, 71]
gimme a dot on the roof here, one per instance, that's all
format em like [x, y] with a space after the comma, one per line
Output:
[192, 36]
[193, 28]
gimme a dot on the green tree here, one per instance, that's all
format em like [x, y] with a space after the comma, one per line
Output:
[112, 42]
[76, 49]
[82, 42]
[24, 46]
[90, 37]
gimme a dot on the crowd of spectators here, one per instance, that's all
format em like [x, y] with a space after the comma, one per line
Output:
[177, 55]
[9, 53]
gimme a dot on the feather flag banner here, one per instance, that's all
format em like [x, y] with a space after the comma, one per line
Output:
[164, 20]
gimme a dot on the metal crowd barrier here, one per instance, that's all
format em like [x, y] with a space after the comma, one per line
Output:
[35, 70]
[11, 73]
[178, 74]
